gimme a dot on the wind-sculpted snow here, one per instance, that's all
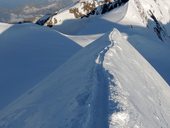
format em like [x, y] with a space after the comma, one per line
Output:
[106, 84]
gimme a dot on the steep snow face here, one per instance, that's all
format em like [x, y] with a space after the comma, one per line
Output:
[139, 95]
[151, 41]
[153, 14]
[140, 11]
[103, 85]
[160, 8]
[29, 53]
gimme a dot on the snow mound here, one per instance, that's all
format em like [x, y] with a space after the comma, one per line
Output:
[106, 84]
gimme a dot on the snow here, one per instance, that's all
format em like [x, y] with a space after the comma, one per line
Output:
[140, 93]
[64, 14]
[132, 24]
[92, 25]
[83, 40]
[72, 85]
[75, 95]
[119, 79]
[28, 54]
[4, 26]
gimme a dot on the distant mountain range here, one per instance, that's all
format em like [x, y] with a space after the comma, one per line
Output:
[19, 3]
[18, 10]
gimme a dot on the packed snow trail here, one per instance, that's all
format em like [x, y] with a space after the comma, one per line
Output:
[101, 99]
[107, 84]
[111, 99]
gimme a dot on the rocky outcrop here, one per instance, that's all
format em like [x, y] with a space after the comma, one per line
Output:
[96, 8]
[82, 9]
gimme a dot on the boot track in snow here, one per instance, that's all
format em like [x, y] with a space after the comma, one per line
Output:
[108, 110]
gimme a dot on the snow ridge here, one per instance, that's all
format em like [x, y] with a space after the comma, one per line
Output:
[124, 110]
[118, 104]
[100, 115]
[112, 113]
[121, 109]
[118, 116]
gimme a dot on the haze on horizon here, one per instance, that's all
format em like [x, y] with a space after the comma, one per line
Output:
[14, 11]
[19, 3]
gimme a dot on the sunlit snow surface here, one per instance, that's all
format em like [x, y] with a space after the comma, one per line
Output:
[4, 27]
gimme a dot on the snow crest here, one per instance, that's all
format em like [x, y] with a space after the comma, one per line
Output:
[128, 86]
[116, 104]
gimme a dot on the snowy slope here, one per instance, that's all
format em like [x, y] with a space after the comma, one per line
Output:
[116, 81]
[83, 40]
[139, 11]
[29, 53]
[134, 20]
[93, 25]
[141, 96]
[103, 85]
